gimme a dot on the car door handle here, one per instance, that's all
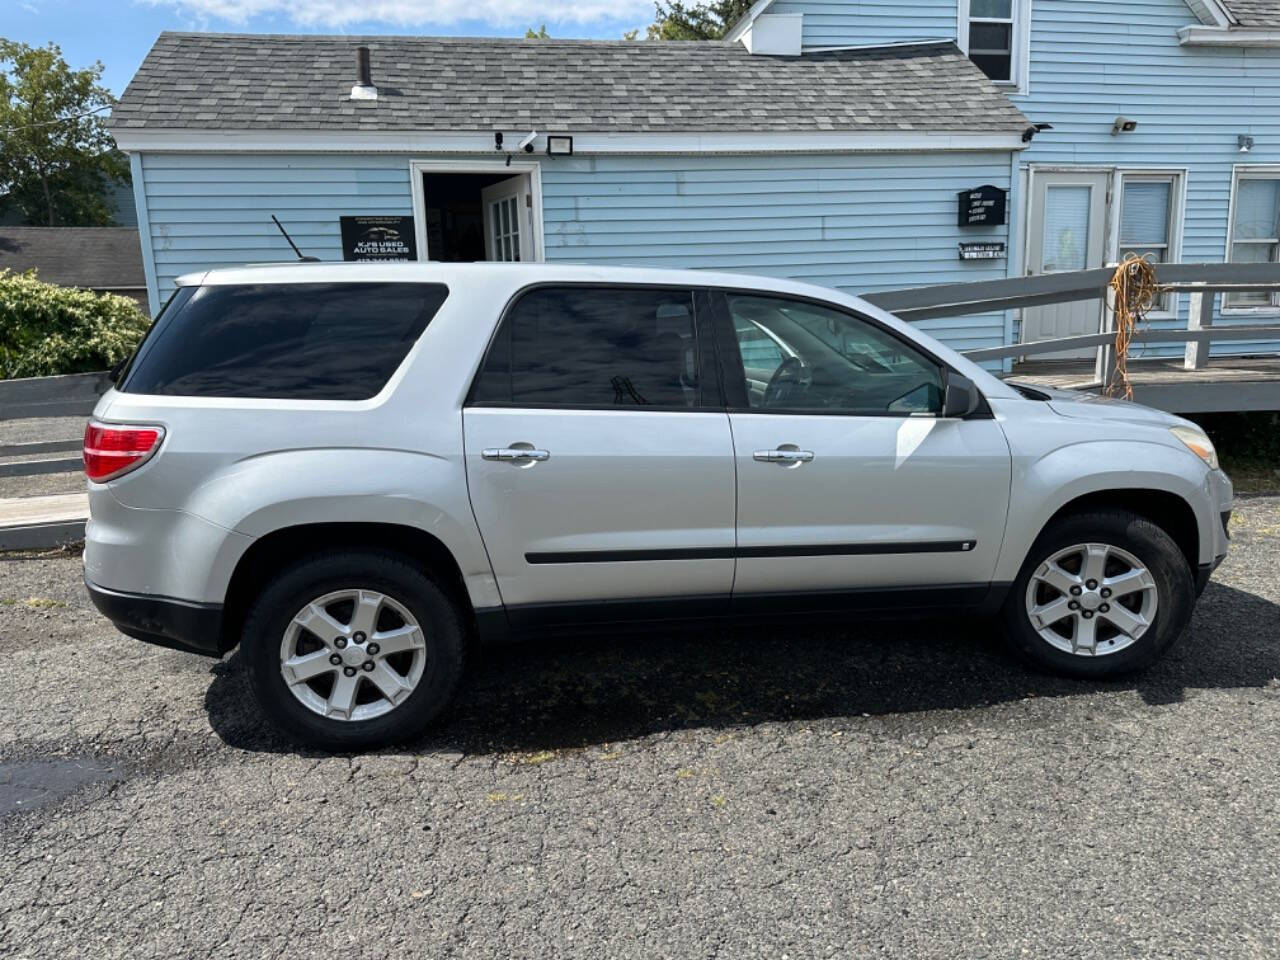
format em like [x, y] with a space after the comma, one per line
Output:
[783, 456]
[515, 453]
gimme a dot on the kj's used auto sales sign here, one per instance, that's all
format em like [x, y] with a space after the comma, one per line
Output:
[378, 238]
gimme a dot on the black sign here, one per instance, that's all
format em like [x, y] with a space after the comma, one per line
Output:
[983, 206]
[982, 251]
[378, 238]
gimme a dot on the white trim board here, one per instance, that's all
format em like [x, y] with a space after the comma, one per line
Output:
[1265, 170]
[531, 167]
[363, 141]
[1212, 13]
[738, 29]
[1020, 85]
[1197, 36]
[144, 233]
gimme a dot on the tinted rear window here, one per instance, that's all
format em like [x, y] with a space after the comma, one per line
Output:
[295, 341]
[594, 347]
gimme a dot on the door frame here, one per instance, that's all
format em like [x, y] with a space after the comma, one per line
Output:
[532, 168]
[1111, 237]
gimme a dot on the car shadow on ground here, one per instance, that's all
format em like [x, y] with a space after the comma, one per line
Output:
[569, 692]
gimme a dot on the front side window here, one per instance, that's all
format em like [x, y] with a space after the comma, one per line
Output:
[594, 347]
[1255, 231]
[1147, 206]
[291, 341]
[802, 357]
[992, 32]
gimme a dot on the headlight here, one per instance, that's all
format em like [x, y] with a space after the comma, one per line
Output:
[1197, 443]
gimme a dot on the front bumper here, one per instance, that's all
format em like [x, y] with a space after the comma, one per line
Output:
[1221, 495]
[176, 624]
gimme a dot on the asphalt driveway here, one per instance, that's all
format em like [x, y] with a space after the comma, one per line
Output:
[903, 790]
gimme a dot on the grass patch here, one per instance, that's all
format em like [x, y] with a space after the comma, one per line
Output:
[33, 603]
[1248, 447]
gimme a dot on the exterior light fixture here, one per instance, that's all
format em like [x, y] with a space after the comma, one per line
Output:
[559, 145]
[1245, 142]
[1123, 125]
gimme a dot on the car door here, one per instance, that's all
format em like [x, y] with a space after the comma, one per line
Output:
[851, 486]
[599, 459]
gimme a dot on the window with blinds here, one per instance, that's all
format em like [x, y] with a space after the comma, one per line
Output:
[1255, 229]
[1148, 205]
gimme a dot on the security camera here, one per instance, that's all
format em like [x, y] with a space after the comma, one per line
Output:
[1123, 125]
[527, 143]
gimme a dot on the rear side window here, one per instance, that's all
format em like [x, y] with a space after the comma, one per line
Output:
[594, 347]
[294, 341]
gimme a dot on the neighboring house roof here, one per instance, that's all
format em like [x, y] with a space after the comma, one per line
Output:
[101, 258]
[207, 81]
[1254, 13]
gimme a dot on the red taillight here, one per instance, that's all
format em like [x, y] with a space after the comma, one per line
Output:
[112, 449]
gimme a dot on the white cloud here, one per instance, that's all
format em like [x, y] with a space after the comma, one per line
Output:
[339, 14]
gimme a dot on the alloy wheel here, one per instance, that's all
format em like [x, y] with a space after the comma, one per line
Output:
[1091, 599]
[353, 655]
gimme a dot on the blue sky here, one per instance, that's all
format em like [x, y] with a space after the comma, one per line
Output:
[120, 32]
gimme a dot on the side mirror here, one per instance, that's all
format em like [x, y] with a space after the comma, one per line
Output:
[961, 397]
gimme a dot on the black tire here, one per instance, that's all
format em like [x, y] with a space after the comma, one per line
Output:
[1175, 593]
[390, 574]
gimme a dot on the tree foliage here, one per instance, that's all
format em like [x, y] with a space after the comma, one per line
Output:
[539, 34]
[56, 157]
[47, 330]
[697, 21]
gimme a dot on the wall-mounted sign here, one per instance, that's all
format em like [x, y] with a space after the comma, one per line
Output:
[983, 207]
[378, 238]
[982, 251]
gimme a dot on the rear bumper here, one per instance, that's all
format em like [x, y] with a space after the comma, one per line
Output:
[177, 624]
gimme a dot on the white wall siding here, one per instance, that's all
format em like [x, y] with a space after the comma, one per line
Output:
[1191, 103]
[838, 23]
[857, 222]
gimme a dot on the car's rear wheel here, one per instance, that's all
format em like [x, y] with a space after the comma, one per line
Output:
[353, 650]
[1101, 594]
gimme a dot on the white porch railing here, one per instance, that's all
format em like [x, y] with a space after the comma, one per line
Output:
[1204, 281]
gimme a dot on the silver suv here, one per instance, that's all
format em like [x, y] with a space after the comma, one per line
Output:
[358, 471]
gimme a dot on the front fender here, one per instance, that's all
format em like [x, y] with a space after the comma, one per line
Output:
[1043, 485]
[263, 494]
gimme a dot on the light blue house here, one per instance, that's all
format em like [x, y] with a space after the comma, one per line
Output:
[840, 168]
[1159, 128]
[840, 142]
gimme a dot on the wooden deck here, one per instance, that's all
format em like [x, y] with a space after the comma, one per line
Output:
[1226, 384]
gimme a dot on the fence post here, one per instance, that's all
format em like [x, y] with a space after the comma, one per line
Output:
[1199, 317]
[1105, 367]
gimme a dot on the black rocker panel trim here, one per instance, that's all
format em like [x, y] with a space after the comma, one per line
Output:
[744, 553]
[533, 617]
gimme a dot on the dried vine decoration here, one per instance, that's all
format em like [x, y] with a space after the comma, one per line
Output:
[1134, 291]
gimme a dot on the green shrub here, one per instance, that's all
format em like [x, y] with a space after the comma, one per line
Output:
[47, 329]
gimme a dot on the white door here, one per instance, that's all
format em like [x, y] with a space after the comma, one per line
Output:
[602, 482]
[508, 214]
[1067, 232]
[850, 488]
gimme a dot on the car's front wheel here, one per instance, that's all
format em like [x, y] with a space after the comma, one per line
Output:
[353, 650]
[1101, 594]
